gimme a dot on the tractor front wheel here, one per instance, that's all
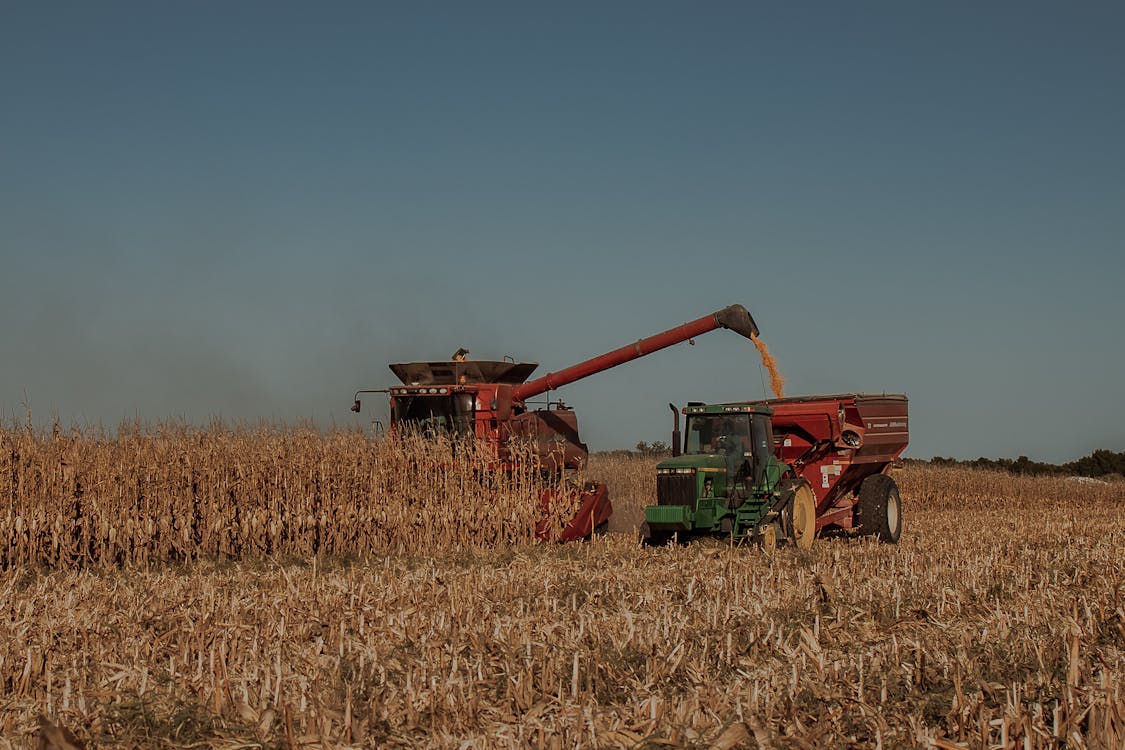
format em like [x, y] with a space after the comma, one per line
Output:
[879, 510]
[650, 538]
[768, 535]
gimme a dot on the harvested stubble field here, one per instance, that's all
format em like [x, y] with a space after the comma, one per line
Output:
[998, 621]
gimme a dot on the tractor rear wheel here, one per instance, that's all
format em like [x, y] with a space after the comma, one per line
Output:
[879, 510]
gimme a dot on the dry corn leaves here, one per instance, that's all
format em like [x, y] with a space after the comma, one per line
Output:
[177, 493]
[56, 737]
[998, 621]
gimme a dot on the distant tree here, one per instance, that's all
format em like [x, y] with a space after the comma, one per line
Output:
[649, 450]
[1098, 464]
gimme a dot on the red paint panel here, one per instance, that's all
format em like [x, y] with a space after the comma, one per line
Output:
[594, 509]
[734, 317]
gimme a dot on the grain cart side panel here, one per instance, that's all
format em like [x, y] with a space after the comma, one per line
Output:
[886, 427]
[883, 426]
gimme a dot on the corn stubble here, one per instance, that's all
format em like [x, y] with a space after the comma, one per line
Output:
[998, 621]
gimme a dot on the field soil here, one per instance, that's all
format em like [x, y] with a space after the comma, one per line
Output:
[997, 621]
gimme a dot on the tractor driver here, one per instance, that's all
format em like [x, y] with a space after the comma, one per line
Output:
[727, 436]
[720, 434]
[732, 441]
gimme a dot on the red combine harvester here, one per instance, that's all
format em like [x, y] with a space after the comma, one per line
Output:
[488, 400]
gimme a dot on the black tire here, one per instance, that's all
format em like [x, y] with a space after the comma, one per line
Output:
[879, 511]
[650, 538]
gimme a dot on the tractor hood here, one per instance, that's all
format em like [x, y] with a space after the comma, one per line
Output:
[694, 461]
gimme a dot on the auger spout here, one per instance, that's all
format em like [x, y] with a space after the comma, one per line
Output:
[734, 317]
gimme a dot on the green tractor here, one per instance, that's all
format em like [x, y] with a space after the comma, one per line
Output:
[781, 470]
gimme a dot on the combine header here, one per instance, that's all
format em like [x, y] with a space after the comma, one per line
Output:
[488, 400]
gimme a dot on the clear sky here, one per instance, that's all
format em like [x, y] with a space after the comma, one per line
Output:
[248, 209]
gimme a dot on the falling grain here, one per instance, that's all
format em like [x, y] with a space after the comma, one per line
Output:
[777, 383]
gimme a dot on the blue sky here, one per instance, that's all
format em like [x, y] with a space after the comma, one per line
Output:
[248, 209]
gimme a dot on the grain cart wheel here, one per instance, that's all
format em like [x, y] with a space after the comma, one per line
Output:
[803, 515]
[879, 510]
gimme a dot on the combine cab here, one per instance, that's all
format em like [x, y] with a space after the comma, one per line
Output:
[783, 469]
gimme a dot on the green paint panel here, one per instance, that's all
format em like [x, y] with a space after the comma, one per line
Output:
[669, 516]
[737, 407]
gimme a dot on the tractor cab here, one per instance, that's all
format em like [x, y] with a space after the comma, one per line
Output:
[743, 438]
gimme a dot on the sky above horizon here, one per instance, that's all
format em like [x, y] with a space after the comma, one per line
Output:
[248, 209]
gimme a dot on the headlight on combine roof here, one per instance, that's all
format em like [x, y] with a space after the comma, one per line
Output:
[688, 470]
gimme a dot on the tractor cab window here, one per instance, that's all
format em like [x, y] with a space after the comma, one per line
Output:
[744, 440]
[761, 432]
[718, 433]
[451, 414]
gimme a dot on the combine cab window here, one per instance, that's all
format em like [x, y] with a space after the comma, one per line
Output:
[434, 415]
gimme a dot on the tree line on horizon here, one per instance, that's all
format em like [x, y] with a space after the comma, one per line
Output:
[1100, 463]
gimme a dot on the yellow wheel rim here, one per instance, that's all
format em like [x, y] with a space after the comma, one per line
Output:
[804, 517]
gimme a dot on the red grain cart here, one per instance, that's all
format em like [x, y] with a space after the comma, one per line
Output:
[845, 445]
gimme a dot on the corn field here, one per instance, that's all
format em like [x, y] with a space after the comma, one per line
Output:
[176, 493]
[330, 592]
